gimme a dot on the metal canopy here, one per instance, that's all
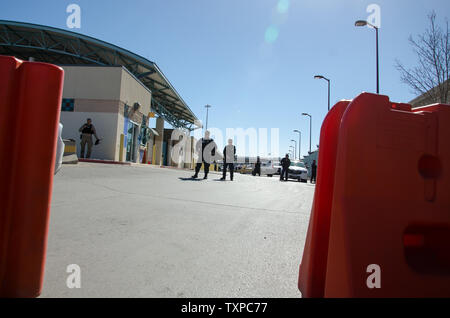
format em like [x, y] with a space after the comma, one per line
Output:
[61, 47]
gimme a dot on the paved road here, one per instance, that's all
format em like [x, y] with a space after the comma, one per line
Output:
[142, 231]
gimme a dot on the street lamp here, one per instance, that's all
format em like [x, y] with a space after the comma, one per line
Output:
[362, 23]
[299, 143]
[207, 113]
[329, 89]
[291, 150]
[310, 128]
[295, 147]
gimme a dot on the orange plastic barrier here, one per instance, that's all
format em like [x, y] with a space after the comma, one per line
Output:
[30, 102]
[390, 205]
[314, 261]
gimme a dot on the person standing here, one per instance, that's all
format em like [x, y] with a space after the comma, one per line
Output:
[206, 148]
[313, 171]
[87, 130]
[257, 170]
[229, 156]
[285, 164]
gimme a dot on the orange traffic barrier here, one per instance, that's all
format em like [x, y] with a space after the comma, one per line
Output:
[30, 102]
[314, 261]
[389, 233]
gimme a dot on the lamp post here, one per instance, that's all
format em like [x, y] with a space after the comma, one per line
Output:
[329, 87]
[361, 23]
[207, 113]
[295, 148]
[291, 150]
[310, 128]
[299, 143]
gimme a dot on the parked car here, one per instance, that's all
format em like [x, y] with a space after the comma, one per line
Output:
[298, 171]
[246, 169]
[237, 167]
[269, 169]
[277, 166]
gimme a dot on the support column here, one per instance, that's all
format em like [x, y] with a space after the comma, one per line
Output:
[121, 147]
[188, 152]
[170, 162]
[159, 141]
[151, 142]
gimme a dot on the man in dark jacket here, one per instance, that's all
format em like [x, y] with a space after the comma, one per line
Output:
[229, 156]
[285, 164]
[87, 130]
[206, 149]
[257, 170]
[313, 171]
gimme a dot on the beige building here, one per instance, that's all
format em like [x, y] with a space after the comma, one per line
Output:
[427, 99]
[119, 106]
[113, 86]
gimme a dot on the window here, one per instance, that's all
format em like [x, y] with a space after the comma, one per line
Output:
[68, 105]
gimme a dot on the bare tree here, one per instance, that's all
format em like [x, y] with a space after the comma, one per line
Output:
[431, 76]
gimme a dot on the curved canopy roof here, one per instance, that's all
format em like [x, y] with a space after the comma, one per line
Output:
[61, 47]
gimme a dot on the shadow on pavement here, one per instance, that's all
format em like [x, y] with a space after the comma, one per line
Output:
[296, 181]
[190, 179]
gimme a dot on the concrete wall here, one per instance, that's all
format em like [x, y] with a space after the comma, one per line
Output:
[107, 84]
[92, 82]
[132, 91]
[100, 93]
[106, 125]
[96, 105]
[425, 100]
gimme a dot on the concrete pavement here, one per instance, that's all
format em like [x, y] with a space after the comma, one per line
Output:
[143, 231]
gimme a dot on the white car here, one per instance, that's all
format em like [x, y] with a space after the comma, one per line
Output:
[298, 171]
[269, 168]
[277, 166]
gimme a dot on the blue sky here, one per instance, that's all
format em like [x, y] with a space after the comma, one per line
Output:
[216, 51]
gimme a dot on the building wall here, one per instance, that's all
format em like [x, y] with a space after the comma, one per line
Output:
[124, 124]
[101, 93]
[92, 82]
[132, 91]
[425, 100]
[106, 126]
[97, 105]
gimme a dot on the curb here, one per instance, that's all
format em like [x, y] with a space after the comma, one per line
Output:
[110, 162]
[70, 159]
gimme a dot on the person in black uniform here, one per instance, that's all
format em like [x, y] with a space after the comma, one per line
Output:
[257, 170]
[285, 164]
[87, 130]
[229, 156]
[313, 171]
[206, 148]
